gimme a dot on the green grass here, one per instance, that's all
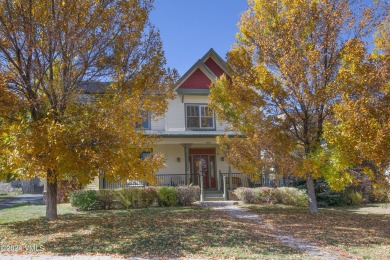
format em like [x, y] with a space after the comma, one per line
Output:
[4, 195]
[25, 212]
[361, 231]
[155, 232]
[375, 208]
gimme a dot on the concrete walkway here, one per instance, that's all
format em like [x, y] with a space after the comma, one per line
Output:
[12, 201]
[311, 249]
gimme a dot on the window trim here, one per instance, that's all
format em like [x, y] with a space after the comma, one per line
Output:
[140, 127]
[200, 128]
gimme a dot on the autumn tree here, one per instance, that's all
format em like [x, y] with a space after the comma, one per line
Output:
[283, 83]
[49, 51]
[359, 131]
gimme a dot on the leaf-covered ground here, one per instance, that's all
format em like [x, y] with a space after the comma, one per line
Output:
[157, 232]
[364, 233]
[192, 232]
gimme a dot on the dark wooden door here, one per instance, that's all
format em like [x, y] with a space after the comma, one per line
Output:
[206, 164]
[201, 163]
[212, 172]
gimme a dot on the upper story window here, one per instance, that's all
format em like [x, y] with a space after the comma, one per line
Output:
[199, 117]
[145, 124]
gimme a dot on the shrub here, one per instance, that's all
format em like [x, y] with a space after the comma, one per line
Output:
[84, 200]
[380, 195]
[129, 197]
[246, 195]
[265, 195]
[149, 196]
[187, 194]
[331, 198]
[291, 196]
[326, 197]
[167, 196]
[106, 199]
[353, 197]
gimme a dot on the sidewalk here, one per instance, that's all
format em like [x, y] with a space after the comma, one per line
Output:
[12, 201]
[311, 249]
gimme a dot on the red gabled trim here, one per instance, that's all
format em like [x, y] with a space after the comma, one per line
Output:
[197, 80]
[214, 67]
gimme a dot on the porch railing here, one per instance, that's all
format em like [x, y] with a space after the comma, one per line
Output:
[160, 180]
[236, 180]
[170, 179]
[233, 181]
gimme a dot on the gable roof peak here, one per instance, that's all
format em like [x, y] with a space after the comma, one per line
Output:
[201, 64]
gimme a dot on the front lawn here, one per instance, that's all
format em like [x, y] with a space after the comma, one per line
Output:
[361, 231]
[24, 212]
[194, 232]
[155, 232]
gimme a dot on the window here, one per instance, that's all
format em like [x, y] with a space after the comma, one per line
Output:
[145, 124]
[199, 117]
[145, 155]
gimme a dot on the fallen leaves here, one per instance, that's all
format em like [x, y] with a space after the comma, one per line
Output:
[153, 232]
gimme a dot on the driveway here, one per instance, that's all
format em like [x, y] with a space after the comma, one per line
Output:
[12, 201]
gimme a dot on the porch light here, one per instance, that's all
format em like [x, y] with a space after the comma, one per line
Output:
[178, 159]
[222, 158]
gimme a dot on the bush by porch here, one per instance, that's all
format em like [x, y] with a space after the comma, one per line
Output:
[135, 197]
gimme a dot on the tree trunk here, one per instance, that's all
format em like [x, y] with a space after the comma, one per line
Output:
[311, 194]
[51, 196]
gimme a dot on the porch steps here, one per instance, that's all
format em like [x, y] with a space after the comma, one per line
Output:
[217, 203]
[213, 195]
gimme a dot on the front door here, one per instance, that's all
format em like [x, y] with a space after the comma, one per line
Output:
[204, 164]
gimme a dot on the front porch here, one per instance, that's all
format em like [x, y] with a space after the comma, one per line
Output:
[232, 180]
[187, 159]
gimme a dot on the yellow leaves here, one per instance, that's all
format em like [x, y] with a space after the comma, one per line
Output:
[284, 64]
[362, 126]
[60, 131]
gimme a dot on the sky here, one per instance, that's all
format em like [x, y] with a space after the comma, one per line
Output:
[189, 28]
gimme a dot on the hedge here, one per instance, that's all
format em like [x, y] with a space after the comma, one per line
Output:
[128, 198]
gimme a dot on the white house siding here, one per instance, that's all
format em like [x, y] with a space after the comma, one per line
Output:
[93, 185]
[158, 124]
[171, 152]
[173, 148]
[175, 116]
[195, 99]
[221, 125]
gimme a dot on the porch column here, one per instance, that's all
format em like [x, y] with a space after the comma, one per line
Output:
[186, 166]
[230, 178]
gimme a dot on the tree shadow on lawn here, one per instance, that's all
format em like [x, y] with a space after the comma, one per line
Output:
[382, 208]
[162, 232]
[335, 227]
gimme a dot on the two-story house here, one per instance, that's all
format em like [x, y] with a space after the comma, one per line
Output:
[189, 129]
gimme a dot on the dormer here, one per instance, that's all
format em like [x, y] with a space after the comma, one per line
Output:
[197, 80]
